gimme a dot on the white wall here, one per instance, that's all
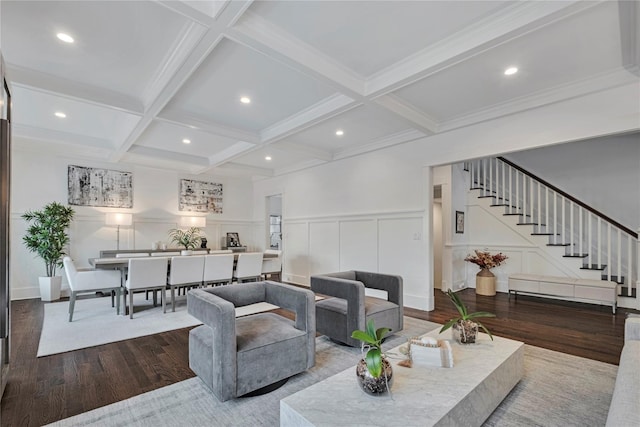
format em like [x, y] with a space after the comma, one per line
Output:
[38, 179]
[365, 213]
[602, 172]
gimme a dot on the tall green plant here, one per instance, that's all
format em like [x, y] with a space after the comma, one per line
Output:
[190, 239]
[47, 234]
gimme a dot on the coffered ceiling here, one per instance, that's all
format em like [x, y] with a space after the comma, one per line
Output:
[143, 76]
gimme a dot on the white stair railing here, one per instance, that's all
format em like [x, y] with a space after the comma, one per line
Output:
[601, 242]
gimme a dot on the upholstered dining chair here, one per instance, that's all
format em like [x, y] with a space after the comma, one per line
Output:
[272, 266]
[249, 267]
[218, 269]
[147, 274]
[89, 281]
[236, 356]
[349, 309]
[186, 272]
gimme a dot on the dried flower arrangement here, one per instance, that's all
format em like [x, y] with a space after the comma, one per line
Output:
[486, 260]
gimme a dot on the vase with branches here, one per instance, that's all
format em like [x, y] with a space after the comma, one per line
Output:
[485, 279]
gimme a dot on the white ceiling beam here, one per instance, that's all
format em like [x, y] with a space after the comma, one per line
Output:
[299, 166]
[264, 37]
[192, 61]
[46, 83]
[215, 129]
[317, 113]
[506, 24]
[409, 113]
[379, 144]
[58, 137]
[246, 168]
[237, 149]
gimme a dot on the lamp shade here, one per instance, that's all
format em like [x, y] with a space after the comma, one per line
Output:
[193, 221]
[117, 218]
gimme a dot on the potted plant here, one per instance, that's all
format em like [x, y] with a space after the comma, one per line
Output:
[47, 236]
[190, 238]
[374, 372]
[485, 279]
[465, 327]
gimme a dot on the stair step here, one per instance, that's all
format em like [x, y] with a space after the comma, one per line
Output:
[545, 234]
[575, 256]
[623, 293]
[500, 204]
[531, 223]
[619, 281]
[593, 267]
[558, 244]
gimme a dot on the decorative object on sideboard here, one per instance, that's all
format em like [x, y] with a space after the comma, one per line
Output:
[485, 279]
[99, 187]
[47, 236]
[118, 219]
[373, 372]
[200, 196]
[465, 327]
[190, 238]
[233, 240]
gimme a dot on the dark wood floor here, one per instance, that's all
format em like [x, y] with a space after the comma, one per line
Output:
[47, 389]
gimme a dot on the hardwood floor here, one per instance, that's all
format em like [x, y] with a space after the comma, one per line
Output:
[47, 389]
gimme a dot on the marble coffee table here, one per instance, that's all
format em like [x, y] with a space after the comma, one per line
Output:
[482, 376]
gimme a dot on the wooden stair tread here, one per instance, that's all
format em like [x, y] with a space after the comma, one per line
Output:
[575, 255]
[593, 267]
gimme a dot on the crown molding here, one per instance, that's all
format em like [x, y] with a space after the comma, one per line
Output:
[237, 149]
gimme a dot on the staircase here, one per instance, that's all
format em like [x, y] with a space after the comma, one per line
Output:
[606, 248]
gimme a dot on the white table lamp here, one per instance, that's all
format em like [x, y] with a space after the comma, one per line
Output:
[193, 221]
[117, 218]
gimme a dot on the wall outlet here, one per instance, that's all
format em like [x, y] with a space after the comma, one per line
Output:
[417, 236]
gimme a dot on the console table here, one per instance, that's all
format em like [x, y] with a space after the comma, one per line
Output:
[465, 395]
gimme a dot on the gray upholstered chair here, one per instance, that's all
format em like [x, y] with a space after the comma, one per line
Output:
[236, 356]
[349, 310]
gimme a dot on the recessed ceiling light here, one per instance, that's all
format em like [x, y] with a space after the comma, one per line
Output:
[60, 114]
[510, 71]
[65, 37]
[245, 100]
[267, 158]
[186, 141]
[339, 132]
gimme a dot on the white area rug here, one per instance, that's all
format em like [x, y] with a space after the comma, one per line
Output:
[95, 322]
[557, 390]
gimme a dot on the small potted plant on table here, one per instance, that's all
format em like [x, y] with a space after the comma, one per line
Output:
[374, 372]
[190, 238]
[465, 327]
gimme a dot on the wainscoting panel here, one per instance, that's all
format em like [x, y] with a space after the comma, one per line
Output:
[401, 251]
[359, 245]
[296, 247]
[324, 247]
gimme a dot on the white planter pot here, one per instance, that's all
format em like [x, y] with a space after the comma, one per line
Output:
[50, 288]
[186, 252]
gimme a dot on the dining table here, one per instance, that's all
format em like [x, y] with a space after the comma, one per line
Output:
[122, 264]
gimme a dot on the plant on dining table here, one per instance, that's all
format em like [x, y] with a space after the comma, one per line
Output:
[190, 238]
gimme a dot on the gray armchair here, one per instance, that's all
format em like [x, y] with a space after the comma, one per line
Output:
[235, 356]
[349, 310]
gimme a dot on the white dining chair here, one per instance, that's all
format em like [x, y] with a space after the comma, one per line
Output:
[90, 281]
[132, 255]
[220, 251]
[186, 272]
[147, 274]
[249, 267]
[272, 266]
[218, 269]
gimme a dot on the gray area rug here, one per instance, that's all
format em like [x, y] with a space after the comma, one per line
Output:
[557, 390]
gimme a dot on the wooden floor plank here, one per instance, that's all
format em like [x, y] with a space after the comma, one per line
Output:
[47, 389]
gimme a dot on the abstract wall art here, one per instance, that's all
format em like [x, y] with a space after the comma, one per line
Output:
[99, 187]
[200, 196]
